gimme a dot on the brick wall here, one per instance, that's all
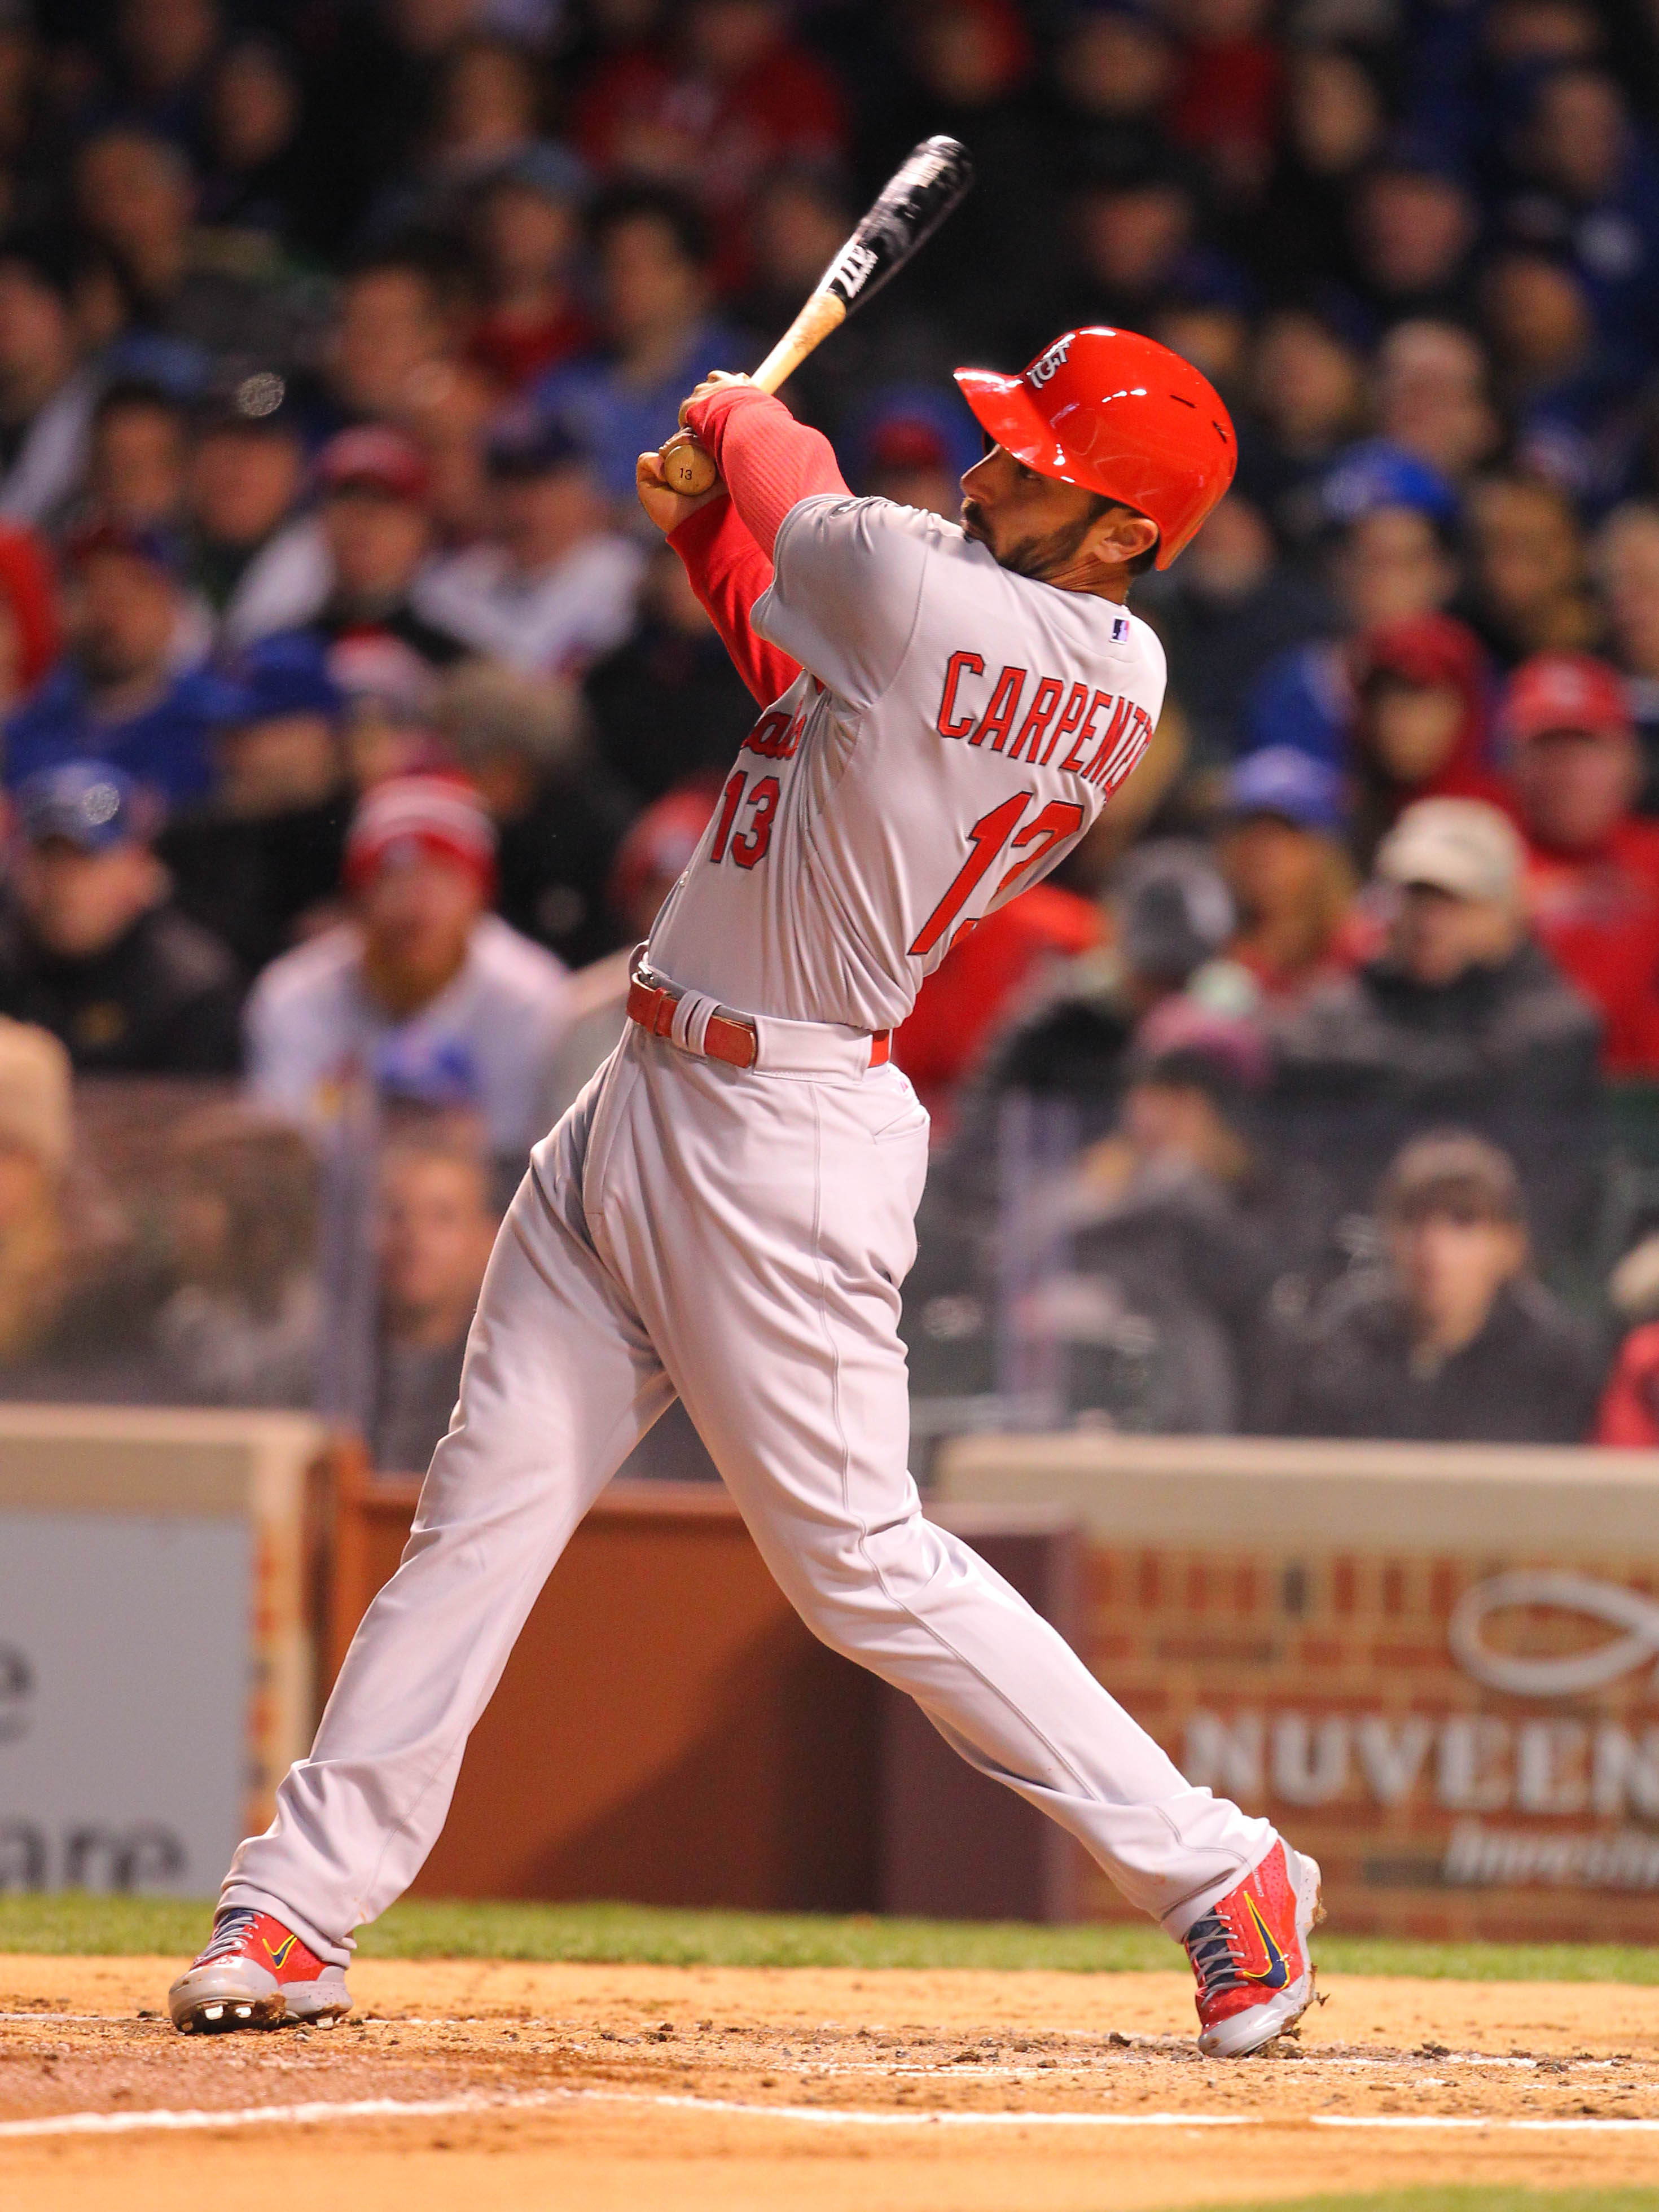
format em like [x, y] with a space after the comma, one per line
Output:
[1322, 1687]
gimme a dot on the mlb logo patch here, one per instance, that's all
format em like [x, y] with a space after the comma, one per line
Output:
[1120, 628]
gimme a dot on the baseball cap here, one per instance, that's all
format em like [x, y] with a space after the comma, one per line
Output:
[1564, 691]
[1174, 911]
[374, 456]
[906, 442]
[1451, 1171]
[1460, 846]
[1182, 1041]
[409, 817]
[526, 445]
[1284, 780]
[911, 426]
[90, 804]
[1420, 649]
[660, 843]
[286, 673]
[1375, 473]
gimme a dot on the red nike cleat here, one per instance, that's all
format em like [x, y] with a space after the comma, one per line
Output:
[1256, 1977]
[254, 1973]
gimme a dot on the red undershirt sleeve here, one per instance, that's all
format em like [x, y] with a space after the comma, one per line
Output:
[728, 572]
[770, 462]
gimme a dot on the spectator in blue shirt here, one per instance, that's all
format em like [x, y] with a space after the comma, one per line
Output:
[1389, 519]
[117, 695]
[653, 255]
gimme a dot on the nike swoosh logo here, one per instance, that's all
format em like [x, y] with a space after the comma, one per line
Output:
[1277, 1973]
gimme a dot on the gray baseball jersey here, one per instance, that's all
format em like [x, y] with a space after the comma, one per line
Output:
[955, 730]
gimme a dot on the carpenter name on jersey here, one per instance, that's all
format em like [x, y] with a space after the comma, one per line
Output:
[955, 730]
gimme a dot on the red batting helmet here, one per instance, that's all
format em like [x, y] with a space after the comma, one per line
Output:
[1117, 414]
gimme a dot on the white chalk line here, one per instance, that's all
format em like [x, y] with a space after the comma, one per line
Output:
[254, 2116]
[318, 2112]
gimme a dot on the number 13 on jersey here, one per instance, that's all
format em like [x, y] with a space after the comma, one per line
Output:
[750, 843]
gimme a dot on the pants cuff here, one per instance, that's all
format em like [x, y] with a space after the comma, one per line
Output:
[261, 1900]
[1179, 1918]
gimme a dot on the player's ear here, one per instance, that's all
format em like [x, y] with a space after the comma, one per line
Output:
[1123, 535]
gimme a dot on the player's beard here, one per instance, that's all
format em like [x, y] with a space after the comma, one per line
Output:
[1039, 558]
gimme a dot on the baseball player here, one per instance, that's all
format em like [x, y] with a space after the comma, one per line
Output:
[727, 1212]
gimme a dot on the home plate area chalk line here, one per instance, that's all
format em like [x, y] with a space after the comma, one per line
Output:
[392, 2108]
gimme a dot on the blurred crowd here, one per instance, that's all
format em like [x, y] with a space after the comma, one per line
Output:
[353, 726]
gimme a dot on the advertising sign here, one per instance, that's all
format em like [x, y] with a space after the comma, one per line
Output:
[156, 1643]
[122, 1701]
[1466, 1751]
[1437, 1670]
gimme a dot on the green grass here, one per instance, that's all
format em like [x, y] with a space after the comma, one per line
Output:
[619, 1934]
[1477, 2197]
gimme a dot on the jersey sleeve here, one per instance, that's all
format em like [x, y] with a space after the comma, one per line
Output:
[847, 590]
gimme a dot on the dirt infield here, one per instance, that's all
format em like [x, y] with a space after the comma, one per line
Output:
[713, 2089]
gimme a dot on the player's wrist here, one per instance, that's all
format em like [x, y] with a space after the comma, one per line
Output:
[703, 411]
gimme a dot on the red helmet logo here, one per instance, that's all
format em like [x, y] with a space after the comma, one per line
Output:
[1115, 413]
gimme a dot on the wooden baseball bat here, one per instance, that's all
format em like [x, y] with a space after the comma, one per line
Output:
[908, 208]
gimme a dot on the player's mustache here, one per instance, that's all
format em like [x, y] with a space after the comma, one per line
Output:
[973, 517]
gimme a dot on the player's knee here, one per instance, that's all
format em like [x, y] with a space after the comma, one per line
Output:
[846, 1585]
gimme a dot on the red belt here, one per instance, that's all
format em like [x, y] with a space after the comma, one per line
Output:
[731, 1037]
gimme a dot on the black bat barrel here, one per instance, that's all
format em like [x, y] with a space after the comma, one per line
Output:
[911, 207]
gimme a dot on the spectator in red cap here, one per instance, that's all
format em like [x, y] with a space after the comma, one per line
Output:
[374, 485]
[1592, 866]
[423, 994]
[909, 443]
[909, 463]
[1421, 723]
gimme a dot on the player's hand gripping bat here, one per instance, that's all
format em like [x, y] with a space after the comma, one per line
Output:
[905, 214]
